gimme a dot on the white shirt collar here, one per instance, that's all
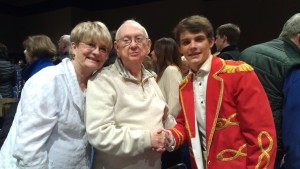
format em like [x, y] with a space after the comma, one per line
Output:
[205, 68]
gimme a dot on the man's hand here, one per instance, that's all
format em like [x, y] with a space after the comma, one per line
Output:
[160, 140]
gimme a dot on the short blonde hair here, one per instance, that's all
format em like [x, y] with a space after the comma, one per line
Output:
[91, 31]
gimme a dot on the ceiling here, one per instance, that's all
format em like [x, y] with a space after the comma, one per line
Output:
[28, 7]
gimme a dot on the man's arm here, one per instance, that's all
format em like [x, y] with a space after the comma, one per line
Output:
[256, 121]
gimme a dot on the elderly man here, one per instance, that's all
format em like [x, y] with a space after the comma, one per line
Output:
[64, 45]
[125, 110]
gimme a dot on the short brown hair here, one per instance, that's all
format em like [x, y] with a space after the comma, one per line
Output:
[194, 24]
[231, 31]
[39, 46]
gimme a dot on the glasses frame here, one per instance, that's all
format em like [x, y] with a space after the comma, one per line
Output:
[127, 41]
[92, 46]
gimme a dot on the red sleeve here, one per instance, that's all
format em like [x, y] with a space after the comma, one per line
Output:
[179, 131]
[256, 122]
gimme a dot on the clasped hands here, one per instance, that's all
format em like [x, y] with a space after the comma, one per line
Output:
[160, 140]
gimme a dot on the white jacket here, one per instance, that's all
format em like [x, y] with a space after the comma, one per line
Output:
[48, 130]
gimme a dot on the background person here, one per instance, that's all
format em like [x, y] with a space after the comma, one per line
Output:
[64, 45]
[227, 37]
[167, 58]
[38, 50]
[8, 74]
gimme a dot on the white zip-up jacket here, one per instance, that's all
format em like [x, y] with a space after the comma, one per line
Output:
[48, 129]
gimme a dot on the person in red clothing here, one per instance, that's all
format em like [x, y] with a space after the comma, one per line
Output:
[225, 117]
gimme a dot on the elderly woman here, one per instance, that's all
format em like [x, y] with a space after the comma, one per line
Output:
[48, 130]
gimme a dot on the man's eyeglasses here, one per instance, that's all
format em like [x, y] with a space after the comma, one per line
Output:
[93, 46]
[126, 41]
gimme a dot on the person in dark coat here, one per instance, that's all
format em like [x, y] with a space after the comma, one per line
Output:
[227, 37]
[7, 74]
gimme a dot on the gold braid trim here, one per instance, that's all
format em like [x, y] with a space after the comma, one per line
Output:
[265, 152]
[183, 81]
[236, 153]
[223, 122]
[237, 68]
[221, 83]
[180, 137]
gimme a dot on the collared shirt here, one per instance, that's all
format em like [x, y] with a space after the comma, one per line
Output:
[199, 87]
[126, 74]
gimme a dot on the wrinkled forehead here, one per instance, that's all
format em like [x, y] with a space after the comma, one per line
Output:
[130, 30]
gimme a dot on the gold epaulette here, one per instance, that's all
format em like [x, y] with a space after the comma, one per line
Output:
[244, 67]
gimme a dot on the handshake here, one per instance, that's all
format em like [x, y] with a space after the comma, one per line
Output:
[160, 140]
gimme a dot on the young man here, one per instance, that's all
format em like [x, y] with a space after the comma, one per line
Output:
[225, 116]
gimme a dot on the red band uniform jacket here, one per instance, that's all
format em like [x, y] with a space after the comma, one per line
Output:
[240, 130]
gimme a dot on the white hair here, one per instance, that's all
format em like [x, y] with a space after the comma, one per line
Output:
[133, 23]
